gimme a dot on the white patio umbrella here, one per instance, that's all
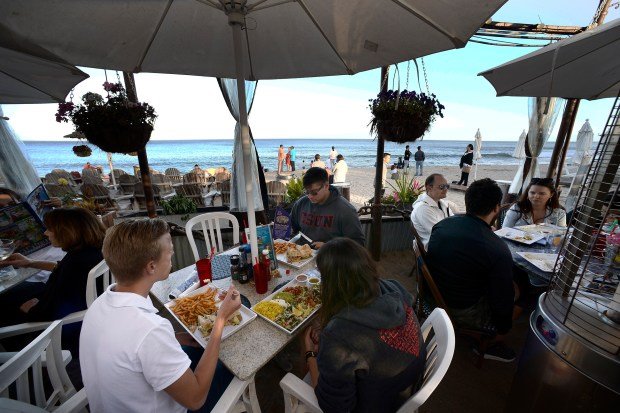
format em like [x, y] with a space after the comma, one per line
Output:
[585, 136]
[30, 74]
[282, 39]
[558, 69]
[519, 151]
[477, 149]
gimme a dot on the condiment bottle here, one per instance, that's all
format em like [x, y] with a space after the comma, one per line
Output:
[234, 267]
[266, 264]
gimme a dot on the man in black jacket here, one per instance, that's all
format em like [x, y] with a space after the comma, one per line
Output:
[419, 161]
[473, 267]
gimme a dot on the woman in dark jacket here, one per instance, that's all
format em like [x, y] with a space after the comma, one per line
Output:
[371, 353]
[78, 232]
[467, 160]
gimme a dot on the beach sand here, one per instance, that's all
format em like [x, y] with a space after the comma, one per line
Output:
[362, 179]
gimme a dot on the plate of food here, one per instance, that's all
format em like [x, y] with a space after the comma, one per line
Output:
[517, 235]
[296, 252]
[545, 229]
[542, 261]
[197, 311]
[293, 304]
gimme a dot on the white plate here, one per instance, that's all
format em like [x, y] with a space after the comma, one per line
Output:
[542, 261]
[517, 235]
[298, 264]
[292, 283]
[247, 315]
[545, 229]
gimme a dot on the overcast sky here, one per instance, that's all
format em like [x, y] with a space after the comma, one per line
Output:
[336, 107]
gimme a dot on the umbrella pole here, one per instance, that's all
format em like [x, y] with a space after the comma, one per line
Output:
[236, 21]
[375, 229]
[143, 161]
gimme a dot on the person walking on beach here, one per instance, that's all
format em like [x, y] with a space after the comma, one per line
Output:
[288, 159]
[407, 156]
[419, 158]
[467, 161]
[340, 169]
[332, 157]
[293, 153]
[281, 157]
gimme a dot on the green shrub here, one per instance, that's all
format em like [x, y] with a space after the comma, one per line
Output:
[179, 204]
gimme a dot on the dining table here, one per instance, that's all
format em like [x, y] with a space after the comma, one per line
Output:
[14, 276]
[251, 347]
[537, 277]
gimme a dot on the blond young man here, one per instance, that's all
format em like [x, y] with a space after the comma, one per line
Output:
[129, 356]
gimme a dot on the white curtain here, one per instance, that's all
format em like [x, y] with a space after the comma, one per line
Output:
[237, 182]
[16, 170]
[519, 151]
[543, 113]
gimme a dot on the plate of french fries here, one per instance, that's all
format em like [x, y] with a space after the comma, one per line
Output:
[296, 252]
[197, 312]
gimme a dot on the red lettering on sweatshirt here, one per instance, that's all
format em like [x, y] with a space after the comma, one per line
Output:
[404, 338]
[309, 219]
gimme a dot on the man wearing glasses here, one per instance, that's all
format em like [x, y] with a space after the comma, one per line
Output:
[431, 207]
[323, 214]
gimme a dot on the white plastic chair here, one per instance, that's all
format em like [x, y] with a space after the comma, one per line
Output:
[16, 371]
[99, 270]
[211, 230]
[240, 396]
[299, 396]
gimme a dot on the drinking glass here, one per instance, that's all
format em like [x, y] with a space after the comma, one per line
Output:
[7, 247]
[554, 241]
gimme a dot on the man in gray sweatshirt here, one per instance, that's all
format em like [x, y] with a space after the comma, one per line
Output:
[323, 214]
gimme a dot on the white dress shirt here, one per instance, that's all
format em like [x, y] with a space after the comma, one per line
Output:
[427, 212]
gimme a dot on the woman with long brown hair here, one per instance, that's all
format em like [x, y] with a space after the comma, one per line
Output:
[539, 204]
[371, 353]
[78, 232]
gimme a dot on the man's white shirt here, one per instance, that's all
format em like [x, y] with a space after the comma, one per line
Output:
[427, 212]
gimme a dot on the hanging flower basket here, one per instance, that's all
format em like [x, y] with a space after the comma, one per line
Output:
[114, 125]
[82, 151]
[403, 116]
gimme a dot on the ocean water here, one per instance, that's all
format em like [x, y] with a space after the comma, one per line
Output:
[183, 154]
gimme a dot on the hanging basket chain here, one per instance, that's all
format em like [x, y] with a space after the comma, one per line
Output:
[425, 76]
[407, 81]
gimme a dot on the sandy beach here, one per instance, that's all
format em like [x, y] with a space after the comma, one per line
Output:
[362, 189]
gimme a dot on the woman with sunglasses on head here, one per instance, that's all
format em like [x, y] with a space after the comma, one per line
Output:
[370, 354]
[539, 204]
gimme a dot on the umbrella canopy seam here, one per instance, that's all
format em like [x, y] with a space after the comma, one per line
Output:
[138, 67]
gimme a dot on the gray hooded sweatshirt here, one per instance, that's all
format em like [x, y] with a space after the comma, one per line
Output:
[335, 218]
[371, 359]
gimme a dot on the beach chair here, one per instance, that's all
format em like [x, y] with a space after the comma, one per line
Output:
[195, 178]
[424, 305]
[174, 175]
[24, 372]
[224, 189]
[163, 183]
[100, 195]
[117, 174]
[76, 177]
[127, 183]
[440, 341]
[138, 193]
[54, 177]
[93, 179]
[276, 191]
[60, 191]
[193, 192]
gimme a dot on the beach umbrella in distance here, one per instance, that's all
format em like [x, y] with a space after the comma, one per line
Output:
[519, 151]
[477, 151]
[31, 74]
[246, 39]
[585, 136]
[558, 70]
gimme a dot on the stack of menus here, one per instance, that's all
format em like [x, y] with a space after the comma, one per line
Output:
[24, 222]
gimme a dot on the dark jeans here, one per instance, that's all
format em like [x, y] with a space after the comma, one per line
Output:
[292, 165]
[464, 178]
[221, 378]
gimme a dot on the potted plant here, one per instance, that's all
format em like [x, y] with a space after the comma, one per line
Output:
[406, 192]
[294, 190]
[179, 205]
[114, 124]
[82, 151]
[403, 116]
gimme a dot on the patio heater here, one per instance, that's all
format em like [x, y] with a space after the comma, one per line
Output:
[571, 359]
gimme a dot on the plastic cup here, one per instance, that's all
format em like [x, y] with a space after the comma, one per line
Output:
[203, 267]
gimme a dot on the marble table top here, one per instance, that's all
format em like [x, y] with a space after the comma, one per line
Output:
[250, 348]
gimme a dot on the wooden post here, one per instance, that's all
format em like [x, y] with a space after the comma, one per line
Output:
[375, 229]
[569, 132]
[563, 137]
[132, 94]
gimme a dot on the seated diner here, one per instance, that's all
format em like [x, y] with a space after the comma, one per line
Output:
[539, 204]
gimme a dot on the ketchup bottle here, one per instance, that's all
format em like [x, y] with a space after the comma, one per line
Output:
[266, 264]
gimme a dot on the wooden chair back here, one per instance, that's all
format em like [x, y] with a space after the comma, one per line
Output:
[225, 191]
[276, 192]
[100, 194]
[193, 192]
[127, 183]
[425, 280]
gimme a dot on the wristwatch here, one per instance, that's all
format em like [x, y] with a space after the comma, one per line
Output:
[310, 354]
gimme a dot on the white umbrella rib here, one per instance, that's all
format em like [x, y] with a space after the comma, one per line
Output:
[138, 67]
[254, 7]
[458, 43]
[316, 24]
